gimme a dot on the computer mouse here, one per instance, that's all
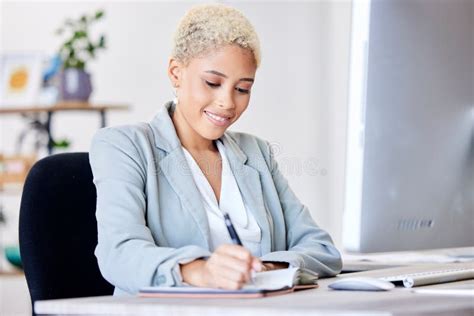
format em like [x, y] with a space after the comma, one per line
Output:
[361, 284]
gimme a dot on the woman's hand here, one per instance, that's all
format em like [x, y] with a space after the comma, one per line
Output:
[229, 267]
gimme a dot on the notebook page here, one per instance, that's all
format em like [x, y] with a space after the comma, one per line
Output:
[306, 276]
[275, 279]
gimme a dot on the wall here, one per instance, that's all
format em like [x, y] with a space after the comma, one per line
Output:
[298, 102]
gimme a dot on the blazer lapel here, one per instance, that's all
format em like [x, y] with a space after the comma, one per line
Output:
[248, 180]
[176, 169]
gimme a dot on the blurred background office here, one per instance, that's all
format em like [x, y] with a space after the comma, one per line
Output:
[298, 102]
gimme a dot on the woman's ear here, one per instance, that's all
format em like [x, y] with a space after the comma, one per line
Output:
[174, 72]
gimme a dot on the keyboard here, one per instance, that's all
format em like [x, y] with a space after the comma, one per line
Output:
[431, 277]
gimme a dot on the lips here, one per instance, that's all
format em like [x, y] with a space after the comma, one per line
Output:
[222, 115]
[217, 119]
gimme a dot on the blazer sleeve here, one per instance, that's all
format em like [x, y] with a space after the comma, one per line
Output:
[308, 246]
[127, 254]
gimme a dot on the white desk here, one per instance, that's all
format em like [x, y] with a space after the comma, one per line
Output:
[322, 301]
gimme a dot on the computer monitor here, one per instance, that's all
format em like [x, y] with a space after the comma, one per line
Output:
[410, 149]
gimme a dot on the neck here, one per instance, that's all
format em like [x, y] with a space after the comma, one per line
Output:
[189, 138]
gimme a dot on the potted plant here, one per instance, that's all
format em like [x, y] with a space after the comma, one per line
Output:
[76, 50]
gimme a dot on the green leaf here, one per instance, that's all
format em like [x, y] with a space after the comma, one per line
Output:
[102, 41]
[91, 49]
[63, 143]
[68, 44]
[99, 14]
[81, 64]
[80, 34]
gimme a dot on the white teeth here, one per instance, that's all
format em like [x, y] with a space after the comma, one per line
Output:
[217, 118]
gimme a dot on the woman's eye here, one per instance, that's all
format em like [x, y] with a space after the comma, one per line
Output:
[243, 90]
[215, 85]
[212, 84]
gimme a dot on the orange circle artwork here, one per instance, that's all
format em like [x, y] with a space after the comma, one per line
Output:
[18, 79]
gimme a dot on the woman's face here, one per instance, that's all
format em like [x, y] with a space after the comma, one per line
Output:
[214, 90]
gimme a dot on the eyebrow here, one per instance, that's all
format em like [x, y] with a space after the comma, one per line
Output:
[215, 72]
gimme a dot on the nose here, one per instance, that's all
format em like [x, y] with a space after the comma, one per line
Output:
[226, 100]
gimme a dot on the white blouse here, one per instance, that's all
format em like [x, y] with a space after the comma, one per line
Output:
[230, 201]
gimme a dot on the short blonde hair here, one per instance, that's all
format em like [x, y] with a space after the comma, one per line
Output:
[212, 26]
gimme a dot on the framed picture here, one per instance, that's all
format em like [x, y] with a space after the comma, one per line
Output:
[14, 169]
[20, 79]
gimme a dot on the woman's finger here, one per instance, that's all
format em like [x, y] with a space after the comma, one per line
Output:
[227, 280]
[223, 272]
[257, 264]
[235, 251]
[231, 262]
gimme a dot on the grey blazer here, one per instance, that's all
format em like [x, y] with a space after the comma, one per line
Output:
[150, 214]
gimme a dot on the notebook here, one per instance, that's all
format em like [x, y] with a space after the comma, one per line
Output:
[268, 283]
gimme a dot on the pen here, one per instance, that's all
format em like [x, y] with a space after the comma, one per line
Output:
[232, 232]
[234, 236]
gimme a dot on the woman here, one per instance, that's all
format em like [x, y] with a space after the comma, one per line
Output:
[162, 187]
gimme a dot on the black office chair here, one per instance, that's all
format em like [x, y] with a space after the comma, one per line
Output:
[58, 229]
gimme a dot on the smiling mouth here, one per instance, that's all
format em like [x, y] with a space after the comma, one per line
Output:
[217, 119]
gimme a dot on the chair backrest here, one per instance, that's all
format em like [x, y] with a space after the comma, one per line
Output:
[58, 229]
